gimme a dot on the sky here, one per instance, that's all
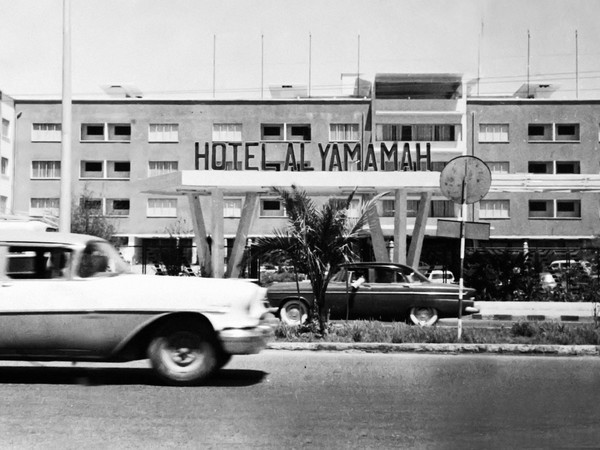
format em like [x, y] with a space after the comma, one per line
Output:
[238, 48]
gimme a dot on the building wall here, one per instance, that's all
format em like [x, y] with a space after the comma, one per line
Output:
[7, 116]
[195, 120]
[520, 150]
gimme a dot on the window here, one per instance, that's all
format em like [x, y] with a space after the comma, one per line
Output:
[163, 132]
[271, 132]
[34, 262]
[442, 208]
[162, 207]
[494, 209]
[43, 207]
[493, 132]
[568, 167]
[388, 208]
[93, 205]
[438, 208]
[498, 167]
[156, 168]
[227, 132]
[232, 207]
[555, 167]
[553, 132]
[550, 209]
[343, 132]
[6, 129]
[92, 169]
[412, 206]
[422, 132]
[45, 169]
[271, 208]
[46, 132]
[4, 166]
[297, 133]
[118, 169]
[117, 207]
[568, 208]
[100, 132]
[539, 167]
[567, 132]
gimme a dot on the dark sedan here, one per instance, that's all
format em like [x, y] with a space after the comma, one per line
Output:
[379, 291]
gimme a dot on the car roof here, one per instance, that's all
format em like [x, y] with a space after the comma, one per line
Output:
[45, 237]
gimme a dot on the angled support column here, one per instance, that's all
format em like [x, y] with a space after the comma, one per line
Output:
[400, 225]
[200, 233]
[218, 237]
[241, 236]
[377, 239]
[416, 243]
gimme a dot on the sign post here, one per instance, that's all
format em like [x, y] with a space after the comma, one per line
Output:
[465, 180]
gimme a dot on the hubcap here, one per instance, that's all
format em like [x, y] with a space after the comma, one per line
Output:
[184, 350]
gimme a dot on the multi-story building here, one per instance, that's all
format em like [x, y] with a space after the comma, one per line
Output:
[7, 138]
[543, 155]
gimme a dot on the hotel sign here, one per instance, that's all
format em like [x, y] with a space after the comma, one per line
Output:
[333, 156]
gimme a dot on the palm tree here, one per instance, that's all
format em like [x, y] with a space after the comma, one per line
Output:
[316, 240]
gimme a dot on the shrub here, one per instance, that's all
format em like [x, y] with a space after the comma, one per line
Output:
[380, 332]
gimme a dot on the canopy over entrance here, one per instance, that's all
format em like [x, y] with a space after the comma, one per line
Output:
[251, 184]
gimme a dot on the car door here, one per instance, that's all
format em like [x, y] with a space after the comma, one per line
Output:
[386, 295]
[47, 310]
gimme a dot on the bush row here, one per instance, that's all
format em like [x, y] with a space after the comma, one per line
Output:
[550, 333]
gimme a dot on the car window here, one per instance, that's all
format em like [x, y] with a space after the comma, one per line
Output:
[38, 262]
[101, 259]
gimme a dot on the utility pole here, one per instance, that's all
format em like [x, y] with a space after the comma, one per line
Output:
[65, 164]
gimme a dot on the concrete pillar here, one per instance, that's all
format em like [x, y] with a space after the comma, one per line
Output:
[239, 245]
[377, 239]
[400, 225]
[200, 234]
[416, 243]
[218, 237]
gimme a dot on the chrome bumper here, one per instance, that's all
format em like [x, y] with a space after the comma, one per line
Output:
[246, 341]
[471, 310]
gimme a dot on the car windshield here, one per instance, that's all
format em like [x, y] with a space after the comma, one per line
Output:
[101, 259]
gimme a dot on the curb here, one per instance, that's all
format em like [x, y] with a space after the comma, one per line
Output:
[508, 349]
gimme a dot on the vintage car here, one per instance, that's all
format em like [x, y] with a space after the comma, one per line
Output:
[71, 297]
[379, 291]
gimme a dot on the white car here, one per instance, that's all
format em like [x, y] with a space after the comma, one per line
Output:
[562, 265]
[441, 276]
[71, 297]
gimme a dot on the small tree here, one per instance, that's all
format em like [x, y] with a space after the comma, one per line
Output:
[87, 218]
[316, 241]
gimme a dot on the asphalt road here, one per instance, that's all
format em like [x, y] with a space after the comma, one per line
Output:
[283, 399]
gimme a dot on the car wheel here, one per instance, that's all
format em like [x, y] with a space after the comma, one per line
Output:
[423, 316]
[294, 312]
[183, 354]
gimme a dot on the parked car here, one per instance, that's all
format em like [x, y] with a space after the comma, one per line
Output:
[71, 297]
[441, 276]
[387, 292]
[563, 265]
